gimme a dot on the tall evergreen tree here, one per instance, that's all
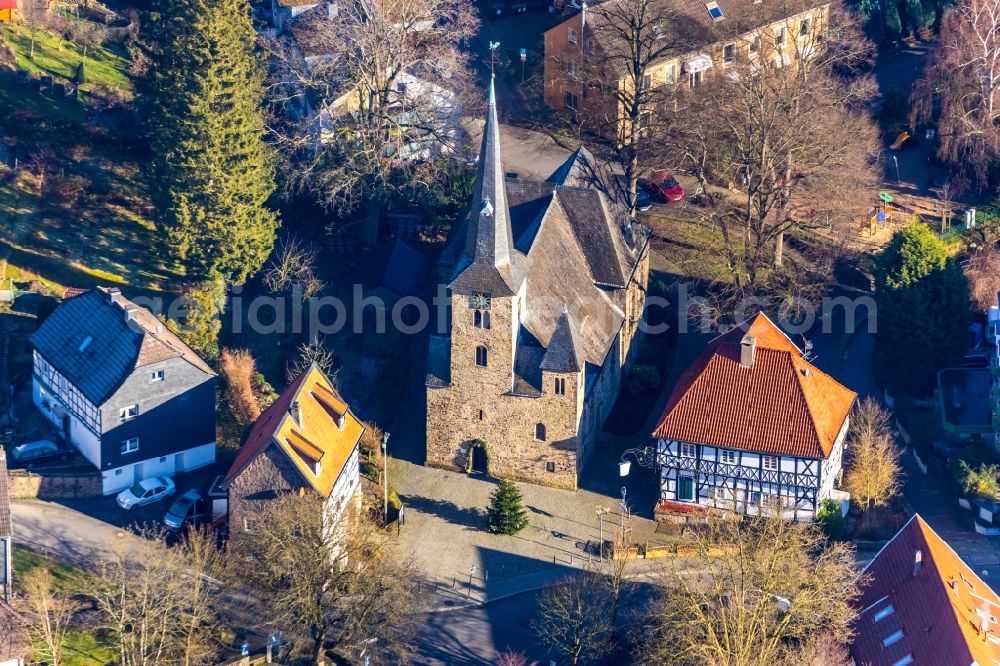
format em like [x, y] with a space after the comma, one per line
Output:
[211, 171]
[506, 512]
[923, 310]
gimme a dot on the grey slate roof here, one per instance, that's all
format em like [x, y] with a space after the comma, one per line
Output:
[123, 337]
[565, 351]
[489, 242]
[6, 528]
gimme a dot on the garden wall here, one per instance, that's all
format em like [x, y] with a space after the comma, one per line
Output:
[29, 485]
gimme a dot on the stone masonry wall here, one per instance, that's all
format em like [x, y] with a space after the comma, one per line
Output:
[269, 475]
[28, 485]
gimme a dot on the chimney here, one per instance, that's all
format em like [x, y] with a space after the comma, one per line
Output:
[340, 421]
[296, 413]
[131, 310]
[748, 351]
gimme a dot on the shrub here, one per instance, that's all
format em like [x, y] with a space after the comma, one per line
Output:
[979, 481]
[238, 367]
[831, 520]
[394, 502]
[642, 378]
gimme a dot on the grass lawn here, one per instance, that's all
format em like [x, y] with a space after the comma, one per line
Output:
[82, 646]
[58, 57]
[86, 219]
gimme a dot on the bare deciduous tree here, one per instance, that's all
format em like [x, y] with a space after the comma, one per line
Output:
[574, 617]
[50, 614]
[157, 605]
[778, 139]
[294, 263]
[961, 88]
[388, 78]
[983, 274]
[331, 590]
[35, 16]
[87, 34]
[873, 468]
[512, 658]
[767, 587]
[309, 353]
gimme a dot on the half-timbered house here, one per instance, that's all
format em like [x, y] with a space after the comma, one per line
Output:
[752, 426]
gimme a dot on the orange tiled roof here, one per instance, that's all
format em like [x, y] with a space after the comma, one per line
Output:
[945, 612]
[782, 405]
[316, 439]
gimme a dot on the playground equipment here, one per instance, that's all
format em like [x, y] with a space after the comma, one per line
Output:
[880, 213]
[900, 140]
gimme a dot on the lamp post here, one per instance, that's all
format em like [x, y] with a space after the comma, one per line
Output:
[644, 457]
[385, 477]
[601, 511]
[472, 570]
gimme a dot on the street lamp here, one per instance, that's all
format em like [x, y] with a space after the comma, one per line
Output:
[385, 477]
[601, 512]
[472, 570]
[644, 457]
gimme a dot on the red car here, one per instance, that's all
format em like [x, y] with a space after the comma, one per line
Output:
[664, 187]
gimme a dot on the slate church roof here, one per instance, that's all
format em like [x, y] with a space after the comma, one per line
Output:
[97, 339]
[781, 404]
[573, 247]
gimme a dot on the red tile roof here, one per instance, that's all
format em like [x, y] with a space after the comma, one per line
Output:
[317, 439]
[782, 405]
[945, 612]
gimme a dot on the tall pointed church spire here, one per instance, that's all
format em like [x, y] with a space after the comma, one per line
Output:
[489, 244]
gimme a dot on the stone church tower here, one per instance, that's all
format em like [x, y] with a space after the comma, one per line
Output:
[547, 283]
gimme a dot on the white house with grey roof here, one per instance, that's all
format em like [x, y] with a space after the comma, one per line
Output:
[547, 283]
[124, 391]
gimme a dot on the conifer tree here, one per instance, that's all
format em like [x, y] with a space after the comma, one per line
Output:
[506, 512]
[211, 172]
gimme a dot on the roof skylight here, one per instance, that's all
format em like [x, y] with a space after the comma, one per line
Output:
[715, 11]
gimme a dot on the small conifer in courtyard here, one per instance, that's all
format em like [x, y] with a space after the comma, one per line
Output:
[506, 512]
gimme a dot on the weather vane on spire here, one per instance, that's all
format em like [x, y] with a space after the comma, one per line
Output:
[493, 56]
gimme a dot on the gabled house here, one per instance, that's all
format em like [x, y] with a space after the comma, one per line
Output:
[306, 441]
[547, 283]
[921, 604]
[15, 643]
[126, 392]
[752, 426]
[7, 10]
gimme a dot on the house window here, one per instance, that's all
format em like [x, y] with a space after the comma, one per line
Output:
[685, 488]
[156, 376]
[728, 54]
[803, 27]
[894, 637]
[671, 74]
[647, 82]
[481, 356]
[118, 472]
[727, 456]
[754, 44]
[644, 120]
[570, 67]
[481, 415]
[571, 36]
[128, 413]
[571, 101]
[694, 79]
[550, 467]
[481, 319]
[130, 445]
[770, 462]
[779, 36]
[249, 525]
[689, 451]
[560, 386]
[540, 432]
[884, 613]
[163, 459]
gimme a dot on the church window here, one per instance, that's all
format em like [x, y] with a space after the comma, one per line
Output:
[481, 318]
[560, 386]
[540, 432]
[481, 356]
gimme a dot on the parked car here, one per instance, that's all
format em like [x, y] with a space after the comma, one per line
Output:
[146, 492]
[664, 187]
[37, 451]
[186, 508]
[642, 200]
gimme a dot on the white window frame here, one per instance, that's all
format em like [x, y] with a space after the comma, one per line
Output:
[128, 413]
[688, 450]
[731, 47]
[130, 445]
[157, 376]
[779, 36]
[775, 463]
[571, 36]
[670, 74]
[728, 456]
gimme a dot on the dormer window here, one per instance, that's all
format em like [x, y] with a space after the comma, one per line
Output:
[715, 11]
[86, 343]
[918, 561]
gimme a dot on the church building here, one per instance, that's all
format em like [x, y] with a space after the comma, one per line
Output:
[547, 283]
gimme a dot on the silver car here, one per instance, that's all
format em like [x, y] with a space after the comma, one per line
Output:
[146, 492]
[184, 508]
